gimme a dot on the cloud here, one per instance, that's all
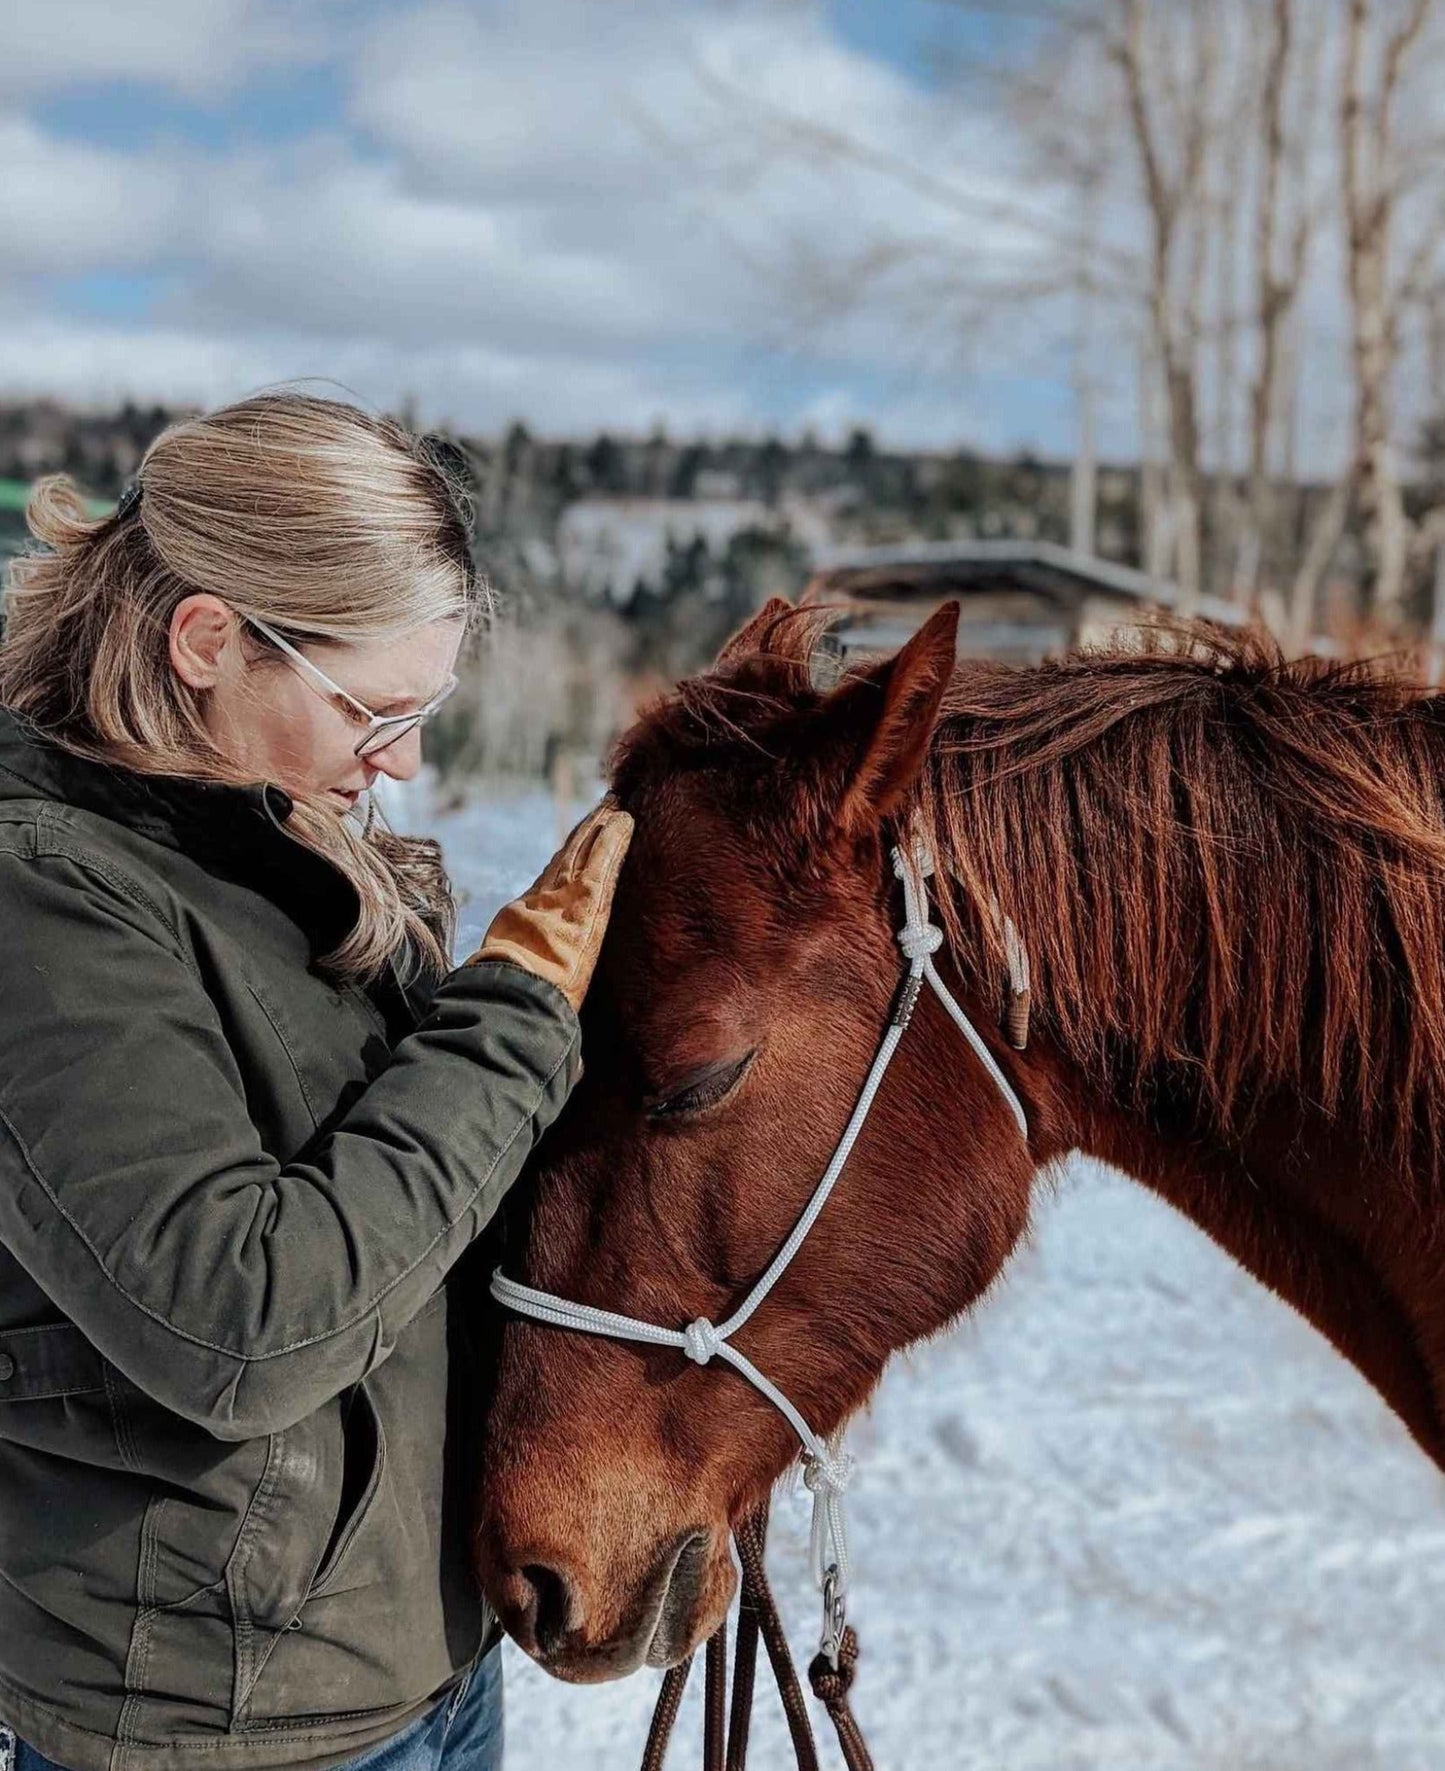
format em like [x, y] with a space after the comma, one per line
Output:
[646, 141]
[577, 214]
[347, 247]
[66, 207]
[492, 189]
[194, 49]
[93, 363]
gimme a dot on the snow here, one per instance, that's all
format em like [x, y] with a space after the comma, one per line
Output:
[1133, 1514]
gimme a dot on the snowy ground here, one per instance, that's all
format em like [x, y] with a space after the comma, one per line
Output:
[1133, 1516]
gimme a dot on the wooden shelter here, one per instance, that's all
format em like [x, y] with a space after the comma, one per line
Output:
[1020, 600]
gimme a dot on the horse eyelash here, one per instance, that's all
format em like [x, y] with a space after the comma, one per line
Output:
[706, 1093]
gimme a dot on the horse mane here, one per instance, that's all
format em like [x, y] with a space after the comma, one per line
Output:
[1228, 866]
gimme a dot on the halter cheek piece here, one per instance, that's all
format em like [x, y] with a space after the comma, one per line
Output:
[826, 1467]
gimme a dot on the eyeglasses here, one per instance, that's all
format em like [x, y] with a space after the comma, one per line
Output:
[382, 729]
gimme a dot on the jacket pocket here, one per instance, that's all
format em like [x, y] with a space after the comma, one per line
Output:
[390, 1610]
[363, 1466]
[320, 1480]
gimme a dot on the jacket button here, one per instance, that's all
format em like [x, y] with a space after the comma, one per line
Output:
[7, 1368]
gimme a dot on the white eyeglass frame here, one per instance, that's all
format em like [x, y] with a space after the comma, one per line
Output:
[375, 722]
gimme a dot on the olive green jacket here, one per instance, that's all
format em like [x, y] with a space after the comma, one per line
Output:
[231, 1191]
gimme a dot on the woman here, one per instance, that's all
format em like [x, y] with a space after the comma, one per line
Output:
[247, 1125]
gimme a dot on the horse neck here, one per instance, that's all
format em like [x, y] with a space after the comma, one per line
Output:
[1313, 1216]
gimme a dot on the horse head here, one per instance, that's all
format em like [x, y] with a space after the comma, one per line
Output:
[748, 971]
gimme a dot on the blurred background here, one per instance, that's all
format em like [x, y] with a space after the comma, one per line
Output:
[1073, 309]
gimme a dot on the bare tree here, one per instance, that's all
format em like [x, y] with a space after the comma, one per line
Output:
[1285, 215]
[1370, 175]
[1125, 120]
[1174, 176]
[1175, 194]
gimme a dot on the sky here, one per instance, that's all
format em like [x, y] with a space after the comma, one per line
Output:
[575, 214]
[555, 211]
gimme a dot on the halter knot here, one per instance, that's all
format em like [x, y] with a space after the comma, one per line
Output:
[826, 1474]
[701, 1341]
[922, 860]
[919, 939]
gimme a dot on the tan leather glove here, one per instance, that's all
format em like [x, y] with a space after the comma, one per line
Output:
[555, 928]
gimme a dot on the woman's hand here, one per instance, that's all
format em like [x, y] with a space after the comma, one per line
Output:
[555, 928]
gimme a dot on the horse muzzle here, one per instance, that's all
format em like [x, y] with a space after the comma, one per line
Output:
[584, 1636]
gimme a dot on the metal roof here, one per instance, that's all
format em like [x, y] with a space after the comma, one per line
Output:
[1040, 566]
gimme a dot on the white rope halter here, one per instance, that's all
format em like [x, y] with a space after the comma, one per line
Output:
[826, 1467]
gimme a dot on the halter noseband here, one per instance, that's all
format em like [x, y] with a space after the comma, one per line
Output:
[826, 1467]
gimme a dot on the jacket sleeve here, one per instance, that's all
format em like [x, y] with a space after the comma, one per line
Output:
[133, 1186]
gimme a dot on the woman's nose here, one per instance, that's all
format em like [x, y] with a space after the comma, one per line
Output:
[400, 760]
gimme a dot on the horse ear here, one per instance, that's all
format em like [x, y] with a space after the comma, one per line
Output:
[749, 636]
[899, 722]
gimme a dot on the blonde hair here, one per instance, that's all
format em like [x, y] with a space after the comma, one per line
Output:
[322, 520]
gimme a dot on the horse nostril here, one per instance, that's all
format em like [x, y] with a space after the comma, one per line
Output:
[549, 1604]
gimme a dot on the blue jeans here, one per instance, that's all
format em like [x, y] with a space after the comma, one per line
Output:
[461, 1733]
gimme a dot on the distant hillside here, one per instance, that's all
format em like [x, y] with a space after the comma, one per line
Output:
[633, 493]
[101, 449]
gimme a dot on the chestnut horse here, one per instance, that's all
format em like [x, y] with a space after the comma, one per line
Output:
[1228, 871]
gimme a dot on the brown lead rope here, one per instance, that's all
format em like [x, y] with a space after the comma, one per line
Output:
[714, 1723]
[831, 1686]
[665, 1715]
[751, 1538]
[758, 1616]
[745, 1672]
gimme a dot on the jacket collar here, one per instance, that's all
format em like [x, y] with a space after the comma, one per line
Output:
[238, 832]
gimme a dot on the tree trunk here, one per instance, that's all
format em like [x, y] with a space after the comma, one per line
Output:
[1083, 475]
[1171, 200]
[1324, 539]
[1369, 188]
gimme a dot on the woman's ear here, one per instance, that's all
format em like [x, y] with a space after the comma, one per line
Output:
[202, 628]
[883, 721]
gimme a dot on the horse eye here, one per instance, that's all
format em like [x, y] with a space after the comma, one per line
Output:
[705, 1091]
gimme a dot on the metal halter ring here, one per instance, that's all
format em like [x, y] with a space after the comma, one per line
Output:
[835, 1615]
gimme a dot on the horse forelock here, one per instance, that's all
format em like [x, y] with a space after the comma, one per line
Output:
[736, 703]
